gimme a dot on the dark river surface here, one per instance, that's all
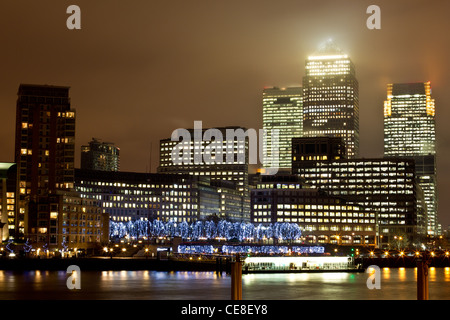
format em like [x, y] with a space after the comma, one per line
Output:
[396, 284]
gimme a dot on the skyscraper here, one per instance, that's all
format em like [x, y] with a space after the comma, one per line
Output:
[98, 155]
[330, 97]
[44, 154]
[282, 111]
[410, 132]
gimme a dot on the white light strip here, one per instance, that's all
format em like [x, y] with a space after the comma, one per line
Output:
[344, 56]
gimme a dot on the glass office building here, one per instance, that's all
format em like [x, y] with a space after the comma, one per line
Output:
[282, 111]
[387, 187]
[226, 158]
[330, 97]
[322, 218]
[410, 132]
[130, 196]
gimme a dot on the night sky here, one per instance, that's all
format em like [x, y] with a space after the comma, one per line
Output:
[138, 69]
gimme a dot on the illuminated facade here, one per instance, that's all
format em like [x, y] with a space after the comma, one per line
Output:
[130, 196]
[282, 111]
[295, 263]
[409, 120]
[410, 131]
[195, 162]
[330, 97]
[99, 155]
[387, 187]
[8, 175]
[323, 218]
[76, 222]
[44, 154]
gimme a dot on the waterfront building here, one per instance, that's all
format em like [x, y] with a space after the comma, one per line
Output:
[75, 223]
[44, 154]
[130, 196]
[323, 218]
[331, 97]
[387, 187]
[8, 185]
[282, 111]
[410, 132]
[98, 155]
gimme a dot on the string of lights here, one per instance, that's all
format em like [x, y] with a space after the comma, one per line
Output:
[205, 230]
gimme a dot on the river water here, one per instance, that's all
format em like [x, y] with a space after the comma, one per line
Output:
[396, 284]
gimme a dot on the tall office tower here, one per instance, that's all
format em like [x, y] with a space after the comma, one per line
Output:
[224, 159]
[97, 155]
[410, 131]
[282, 111]
[330, 97]
[44, 154]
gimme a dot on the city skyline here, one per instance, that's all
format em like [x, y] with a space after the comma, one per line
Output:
[142, 93]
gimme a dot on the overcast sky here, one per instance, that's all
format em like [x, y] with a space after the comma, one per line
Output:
[139, 69]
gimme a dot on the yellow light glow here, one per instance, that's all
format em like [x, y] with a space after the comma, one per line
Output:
[430, 102]
[388, 103]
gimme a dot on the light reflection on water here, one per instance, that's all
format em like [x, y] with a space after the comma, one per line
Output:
[396, 284]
